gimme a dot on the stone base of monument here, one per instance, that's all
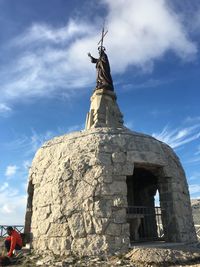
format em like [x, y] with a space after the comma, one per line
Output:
[104, 110]
[78, 191]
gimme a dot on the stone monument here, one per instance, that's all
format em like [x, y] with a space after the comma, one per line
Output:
[90, 192]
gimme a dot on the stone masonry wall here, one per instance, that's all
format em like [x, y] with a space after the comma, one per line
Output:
[80, 192]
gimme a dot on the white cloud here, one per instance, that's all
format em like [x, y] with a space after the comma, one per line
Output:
[12, 205]
[147, 29]
[178, 137]
[54, 60]
[11, 170]
[47, 33]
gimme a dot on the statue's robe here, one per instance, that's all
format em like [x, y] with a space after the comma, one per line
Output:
[104, 79]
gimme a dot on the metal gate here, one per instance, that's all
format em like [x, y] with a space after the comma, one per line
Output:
[145, 223]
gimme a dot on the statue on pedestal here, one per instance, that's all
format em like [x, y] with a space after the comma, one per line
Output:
[104, 79]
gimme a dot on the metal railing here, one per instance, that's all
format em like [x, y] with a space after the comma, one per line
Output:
[3, 229]
[145, 223]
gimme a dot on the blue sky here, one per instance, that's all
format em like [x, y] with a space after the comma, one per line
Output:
[46, 78]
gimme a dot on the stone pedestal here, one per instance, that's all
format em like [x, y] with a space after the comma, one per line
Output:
[104, 111]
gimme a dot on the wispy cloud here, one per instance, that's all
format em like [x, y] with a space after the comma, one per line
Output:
[74, 128]
[151, 83]
[38, 139]
[26, 164]
[194, 188]
[28, 145]
[195, 176]
[52, 60]
[129, 125]
[11, 171]
[4, 108]
[195, 160]
[179, 136]
[47, 33]
[198, 150]
[3, 187]
[193, 120]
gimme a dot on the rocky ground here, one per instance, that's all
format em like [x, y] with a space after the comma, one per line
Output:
[139, 257]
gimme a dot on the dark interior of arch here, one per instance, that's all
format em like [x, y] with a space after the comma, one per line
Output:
[141, 189]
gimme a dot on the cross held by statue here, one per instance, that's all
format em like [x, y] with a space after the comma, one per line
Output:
[101, 40]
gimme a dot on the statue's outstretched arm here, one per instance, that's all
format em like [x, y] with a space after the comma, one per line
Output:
[93, 60]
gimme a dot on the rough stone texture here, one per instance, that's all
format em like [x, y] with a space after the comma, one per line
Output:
[104, 111]
[79, 191]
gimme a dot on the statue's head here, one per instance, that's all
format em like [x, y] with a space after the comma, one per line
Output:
[101, 50]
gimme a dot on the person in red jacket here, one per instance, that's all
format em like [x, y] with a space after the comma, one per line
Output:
[13, 241]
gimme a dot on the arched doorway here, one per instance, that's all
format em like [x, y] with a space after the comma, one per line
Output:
[143, 216]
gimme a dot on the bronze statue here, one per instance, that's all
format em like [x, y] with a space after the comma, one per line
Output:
[104, 79]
